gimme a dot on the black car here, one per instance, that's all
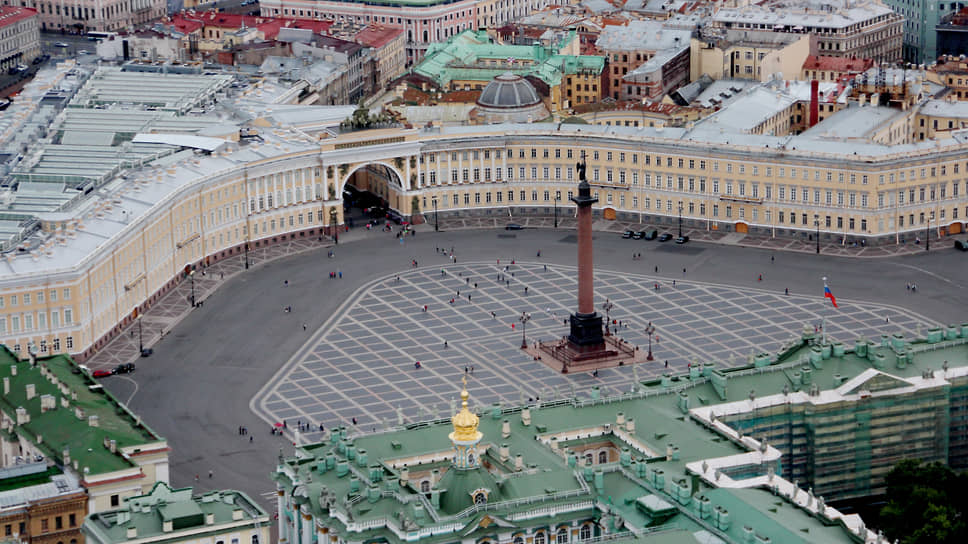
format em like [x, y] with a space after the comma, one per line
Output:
[665, 237]
[651, 235]
[513, 226]
[682, 239]
[124, 368]
[962, 245]
[627, 234]
[638, 235]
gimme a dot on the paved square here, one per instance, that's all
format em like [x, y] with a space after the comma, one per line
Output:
[361, 364]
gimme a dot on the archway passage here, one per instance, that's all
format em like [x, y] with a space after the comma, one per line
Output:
[374, 191]
[609, 214]
[955, 228]
[742, 228]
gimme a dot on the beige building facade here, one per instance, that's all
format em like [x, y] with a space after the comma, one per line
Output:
[858, 191]
[87, 15]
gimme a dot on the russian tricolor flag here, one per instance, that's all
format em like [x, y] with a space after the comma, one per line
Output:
[828, 294]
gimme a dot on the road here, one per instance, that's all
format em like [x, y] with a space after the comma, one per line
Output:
[196, 388]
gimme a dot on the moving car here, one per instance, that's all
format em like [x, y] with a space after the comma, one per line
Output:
[627, 234]
[61, 44]
[124, 368]
[665, 237]
[682, 239]
[962, 245]
[101, 373]
[513, 226]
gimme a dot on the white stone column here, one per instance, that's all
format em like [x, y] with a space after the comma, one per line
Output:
[280, 508]
[406, 175]
[307, 525]
[450, 168]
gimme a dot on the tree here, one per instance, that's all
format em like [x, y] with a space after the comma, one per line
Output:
[925, 504]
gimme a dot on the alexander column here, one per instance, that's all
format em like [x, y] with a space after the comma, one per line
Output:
[586, 324]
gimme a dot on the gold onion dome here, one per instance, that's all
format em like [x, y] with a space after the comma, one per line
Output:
[465, 422]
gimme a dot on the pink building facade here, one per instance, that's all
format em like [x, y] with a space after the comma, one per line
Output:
[82, 16]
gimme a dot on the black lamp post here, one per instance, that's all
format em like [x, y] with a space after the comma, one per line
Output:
[332, 223]
[650, 330]
[191, 276]
[927, 233]
[525, 317]
[607, 307]
[816, 221]
[556, 210]
[141, 341]
[247, 253]
[436, 219]
[680, 220]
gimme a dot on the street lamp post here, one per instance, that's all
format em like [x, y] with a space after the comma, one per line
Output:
[332, 223]
[436, 218]
[556, 210]
[650, 330]
[191, 275]
[680, 220]
[525, 317]
[141, 340]
[607, 307]
[816, 222]
[247, 253]
[927, 233]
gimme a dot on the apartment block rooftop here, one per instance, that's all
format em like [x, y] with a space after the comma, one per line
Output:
[799, 14]
[165, 514]
[68, 416]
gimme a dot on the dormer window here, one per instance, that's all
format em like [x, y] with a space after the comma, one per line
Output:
[480, 499]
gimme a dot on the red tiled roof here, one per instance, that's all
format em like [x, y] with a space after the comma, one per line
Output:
[10, 14]
[377, 36]
[269, 26]
[837, 64]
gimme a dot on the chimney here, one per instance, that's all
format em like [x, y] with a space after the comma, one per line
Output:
[519, 462]
[66, 454]
[92, 421]
[814, 102]
[47, 403]
[23, 417]
[13, 370]
[131, 533]
[6, 386]
[31, 391]
[209, 519]
[166, 526]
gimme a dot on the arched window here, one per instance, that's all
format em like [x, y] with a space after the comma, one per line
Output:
[425, 486]
[480, 499]
[255, 539]
[562, 536]
[589, 459]
[539, 537]
[602, 457]
[585, 532]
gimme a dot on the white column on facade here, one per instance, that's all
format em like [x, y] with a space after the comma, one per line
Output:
[406, 169]
[450, 169]
[307, 526]
[280, 507]
[504, 163]
[420, 182]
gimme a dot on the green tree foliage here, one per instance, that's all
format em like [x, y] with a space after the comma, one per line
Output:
[926, 504]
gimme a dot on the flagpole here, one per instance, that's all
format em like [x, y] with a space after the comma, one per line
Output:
[823, 316]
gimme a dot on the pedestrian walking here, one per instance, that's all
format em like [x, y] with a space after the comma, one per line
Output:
[657, 269]
[209, 473]
[304, 326]
[786, 290]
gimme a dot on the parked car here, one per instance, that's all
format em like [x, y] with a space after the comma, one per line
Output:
[682, 239]
[513, 226]
[101, 373]
[665, 237]
[637, 235]
[962, 245]
[124, 368]
[651, 235]
[627, 234]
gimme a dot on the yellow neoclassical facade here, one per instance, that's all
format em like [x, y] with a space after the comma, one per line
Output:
[67, 297]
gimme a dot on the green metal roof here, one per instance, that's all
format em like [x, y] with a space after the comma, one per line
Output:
[472, 55]
[60, 428]
[148, 513]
